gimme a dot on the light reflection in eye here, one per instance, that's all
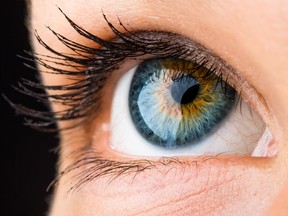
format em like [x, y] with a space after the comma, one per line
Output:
[168, 107]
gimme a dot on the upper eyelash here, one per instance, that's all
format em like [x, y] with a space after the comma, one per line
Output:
[94, 65]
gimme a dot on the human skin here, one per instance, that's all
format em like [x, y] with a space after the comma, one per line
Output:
[252, 36]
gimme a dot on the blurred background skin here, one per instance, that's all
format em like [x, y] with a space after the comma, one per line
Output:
[27, 162]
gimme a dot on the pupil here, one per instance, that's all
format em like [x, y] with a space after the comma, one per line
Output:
[190, 94]
[185, 90]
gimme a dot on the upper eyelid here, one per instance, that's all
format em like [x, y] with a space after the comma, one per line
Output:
[95, 67]
[99, 65]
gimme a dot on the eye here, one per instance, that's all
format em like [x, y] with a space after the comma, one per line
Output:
[172, 107]
[183, 101]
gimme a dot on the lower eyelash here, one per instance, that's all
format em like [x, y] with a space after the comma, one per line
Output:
[88, 168]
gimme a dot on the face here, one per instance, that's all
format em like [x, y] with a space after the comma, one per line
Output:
[166, 106]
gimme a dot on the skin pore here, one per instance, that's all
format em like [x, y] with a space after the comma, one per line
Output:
[252, 36]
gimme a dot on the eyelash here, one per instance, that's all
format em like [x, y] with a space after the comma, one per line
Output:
[94, 66]
[96, 167]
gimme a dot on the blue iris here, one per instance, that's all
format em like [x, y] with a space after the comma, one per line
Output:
[172, 107]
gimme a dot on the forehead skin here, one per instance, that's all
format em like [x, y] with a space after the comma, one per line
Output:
[251, 35]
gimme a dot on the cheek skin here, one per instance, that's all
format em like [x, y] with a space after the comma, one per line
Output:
[280, 204]
[217, 186]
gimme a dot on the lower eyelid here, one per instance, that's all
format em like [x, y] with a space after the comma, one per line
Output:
[89, 169]
[202, 181]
